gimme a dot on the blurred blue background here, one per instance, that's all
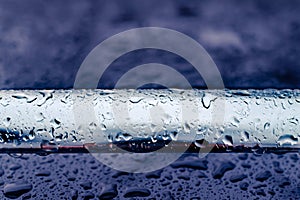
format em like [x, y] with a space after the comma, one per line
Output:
[255, 44]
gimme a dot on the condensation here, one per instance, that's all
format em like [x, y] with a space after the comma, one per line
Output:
[56, 118]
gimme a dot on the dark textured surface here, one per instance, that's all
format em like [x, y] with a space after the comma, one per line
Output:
[227, 176]
[255, 44]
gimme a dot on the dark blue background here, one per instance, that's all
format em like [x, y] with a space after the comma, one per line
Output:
[255, 44]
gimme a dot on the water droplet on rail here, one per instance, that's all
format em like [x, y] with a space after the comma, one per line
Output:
[55, 123]
[92, 126]
[228, 140]
[294, 121]
[103, 127]
[186, 128]
[245, 135]
[123, 137]
[49, 146]
[287, 140]
[7, 121]
[19, 96]
[267, 126]
[39, 117]
[235, 122]
[46, 95]
[174, 135]
[206, 100]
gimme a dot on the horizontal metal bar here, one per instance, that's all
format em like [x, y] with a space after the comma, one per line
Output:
[68, 120]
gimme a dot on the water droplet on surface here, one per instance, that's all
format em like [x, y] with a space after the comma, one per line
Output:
[103, 127]
[16, 155]
[207, 100]
[86, 185]
[31, 134]
[55, 123]
[135, 99]
[15, 166]
[92, 126]
[262, 176]
[294, 121]
[222, 168]
[228, 140]
[155, 174]
[186, 128]
[200, 143]
[109, 191]
[43, 173]
[257, 150]
[137, 192]
[123, 137]
[15, 190]
[39, 117]
[267, 126]
[7, 121]
[235, 122]
[245, 135]
[174, 135]
[19, 96]
[237, 177]
[88, 195]
[49, 146]
[244, 186]
[287, 140]
[46, 95]
[110, 137]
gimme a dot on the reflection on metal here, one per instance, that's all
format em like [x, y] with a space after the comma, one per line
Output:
[37, 121]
